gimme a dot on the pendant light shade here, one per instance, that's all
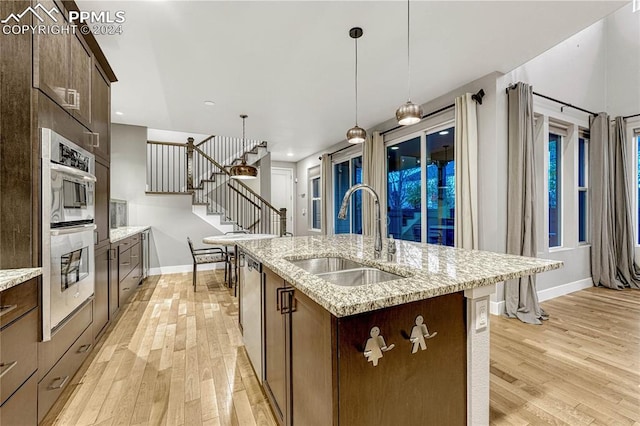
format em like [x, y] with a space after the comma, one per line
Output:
[408, 113]
[243, 170]
[356, 134]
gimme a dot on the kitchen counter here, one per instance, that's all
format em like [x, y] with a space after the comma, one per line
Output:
[430, 270]
[13, 277]
[126, 231]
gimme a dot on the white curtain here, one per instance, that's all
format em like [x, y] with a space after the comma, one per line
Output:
[325, 180]
[373, 174]
[466, 164]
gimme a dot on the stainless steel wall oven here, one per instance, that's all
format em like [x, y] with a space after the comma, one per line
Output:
[68, 208]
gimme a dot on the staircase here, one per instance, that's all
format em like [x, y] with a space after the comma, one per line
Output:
[202, 171]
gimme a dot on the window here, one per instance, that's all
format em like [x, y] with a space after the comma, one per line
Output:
[554, 185]
[422, 197]
[346, 174]
[316, 204]
[583, 184]
[404, 190]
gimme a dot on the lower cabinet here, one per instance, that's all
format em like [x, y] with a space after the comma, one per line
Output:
[101, 291]
[317, 372]
[22, 407]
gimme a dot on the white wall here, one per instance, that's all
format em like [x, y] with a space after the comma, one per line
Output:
[169, 216]
[623, 62]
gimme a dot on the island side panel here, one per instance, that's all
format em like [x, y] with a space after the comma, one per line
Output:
[427, 387]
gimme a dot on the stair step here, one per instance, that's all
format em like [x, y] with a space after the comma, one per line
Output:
[199, 204]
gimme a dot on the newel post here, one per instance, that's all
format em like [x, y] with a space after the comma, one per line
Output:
[283, 221]
[189, 164]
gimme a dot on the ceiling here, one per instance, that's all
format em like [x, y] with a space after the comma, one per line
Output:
[290, 65]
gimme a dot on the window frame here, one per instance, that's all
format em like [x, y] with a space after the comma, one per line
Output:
[583, 134]
[312, 176]
[559, 187]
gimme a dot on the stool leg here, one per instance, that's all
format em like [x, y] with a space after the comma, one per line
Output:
[194, 277]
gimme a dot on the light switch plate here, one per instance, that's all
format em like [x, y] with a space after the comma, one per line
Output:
[481, 314]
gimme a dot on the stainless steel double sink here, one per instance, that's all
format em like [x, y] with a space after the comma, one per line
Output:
[344, 272]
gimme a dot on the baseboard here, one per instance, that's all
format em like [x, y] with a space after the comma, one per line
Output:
[498, 308]
[179, 269]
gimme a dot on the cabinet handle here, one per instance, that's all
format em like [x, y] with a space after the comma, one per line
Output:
[73, 99]
[84, 348]
[95, 237]
[5, 309]
[125, 289]
[96, 140]
[134, 256]
[112, 255]
[63, 380]
[290, 306]
[126, 264]
[6, 367]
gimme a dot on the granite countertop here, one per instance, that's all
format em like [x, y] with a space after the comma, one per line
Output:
[12, 277]
[430, 270]
[125, 231]
[231, 239]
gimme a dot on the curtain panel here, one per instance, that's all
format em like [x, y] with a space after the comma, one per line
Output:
[612, 245]
[521, 296]
[466, 176]
[373, 174]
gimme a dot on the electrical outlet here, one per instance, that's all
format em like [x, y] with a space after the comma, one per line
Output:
[481, 314]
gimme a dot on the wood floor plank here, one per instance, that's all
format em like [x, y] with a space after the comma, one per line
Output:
[176, 357]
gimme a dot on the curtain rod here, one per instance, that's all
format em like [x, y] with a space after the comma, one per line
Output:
[556, 100]
[476, 97]
[630, 116]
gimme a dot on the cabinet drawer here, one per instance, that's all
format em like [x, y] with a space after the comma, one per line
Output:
[129, 284]
[22, 407]
[18, 300]
[52, 385]
[50, 352]
[18, 353]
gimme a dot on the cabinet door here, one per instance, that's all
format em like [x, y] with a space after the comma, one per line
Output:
[113, 281]
[312, 373]
[423, 388]
[275, 380]
[101, 300]
[51, 61]
[100, 114]
[79, 91]
[102, 203]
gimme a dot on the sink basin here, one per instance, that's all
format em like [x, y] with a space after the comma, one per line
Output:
[359, 276]
[321, 265]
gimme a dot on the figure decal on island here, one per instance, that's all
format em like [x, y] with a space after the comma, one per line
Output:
[375, 346]
[419, 333]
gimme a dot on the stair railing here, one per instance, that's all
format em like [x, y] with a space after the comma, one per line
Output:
[227, 150]
[231, 197]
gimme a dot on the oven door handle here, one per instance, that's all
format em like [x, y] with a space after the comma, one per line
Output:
[73, 171]
[72, 230]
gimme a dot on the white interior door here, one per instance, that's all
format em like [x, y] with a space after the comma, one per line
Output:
[282, 192]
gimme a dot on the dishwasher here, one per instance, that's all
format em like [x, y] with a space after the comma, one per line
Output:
[250, 315]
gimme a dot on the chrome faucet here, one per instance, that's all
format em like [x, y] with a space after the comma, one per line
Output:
[377, 247]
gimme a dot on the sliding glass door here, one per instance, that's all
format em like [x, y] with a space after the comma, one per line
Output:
[421, 187]
[346, 174]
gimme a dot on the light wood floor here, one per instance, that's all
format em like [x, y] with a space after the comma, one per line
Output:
[176, 357]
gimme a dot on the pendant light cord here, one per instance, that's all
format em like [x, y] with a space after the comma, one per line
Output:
[244, 146]
[356, 81]
[408, 51]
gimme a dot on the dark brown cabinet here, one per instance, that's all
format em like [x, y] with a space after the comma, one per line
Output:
[19, 325]
[79, 87]
[101, 113]
[129, 267]
[113, 281]
[316, 372]
[101, 293]
[102, 203]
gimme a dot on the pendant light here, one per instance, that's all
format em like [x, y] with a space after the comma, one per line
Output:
[356, 134]
[243, 170]
[408, 113]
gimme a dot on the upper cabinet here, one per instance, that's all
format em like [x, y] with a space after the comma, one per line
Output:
[63, 67]
[100, 113]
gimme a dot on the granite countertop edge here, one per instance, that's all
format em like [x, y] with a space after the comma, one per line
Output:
[345, 301]
[119, 234]
[13, 277]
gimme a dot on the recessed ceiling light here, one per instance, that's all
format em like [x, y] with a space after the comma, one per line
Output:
[209, 103]
[395, 147]
[289, 154]
[444, 132]
[119, 113]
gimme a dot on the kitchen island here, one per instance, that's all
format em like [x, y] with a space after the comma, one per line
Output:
[412, 348]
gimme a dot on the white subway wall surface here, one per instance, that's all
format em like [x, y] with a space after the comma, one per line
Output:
[169, 216]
